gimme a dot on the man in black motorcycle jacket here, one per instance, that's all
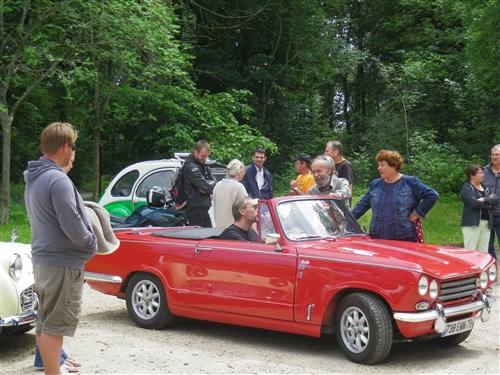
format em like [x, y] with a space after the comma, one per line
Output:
[199, 185]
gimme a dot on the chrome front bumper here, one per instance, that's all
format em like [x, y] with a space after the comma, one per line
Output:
[440, 314]
[103, 277]
[17, 320]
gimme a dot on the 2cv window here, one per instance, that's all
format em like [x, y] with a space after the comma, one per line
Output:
[158, 178]
[123, 187]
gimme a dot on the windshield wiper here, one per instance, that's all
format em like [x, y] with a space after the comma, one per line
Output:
[344, 234]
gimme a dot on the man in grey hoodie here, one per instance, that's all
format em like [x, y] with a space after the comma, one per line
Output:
[62, 241]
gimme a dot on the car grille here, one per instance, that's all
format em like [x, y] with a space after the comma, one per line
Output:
[29, 299]
[458, 289]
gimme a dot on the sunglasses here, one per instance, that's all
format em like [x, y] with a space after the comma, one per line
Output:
[73, 147]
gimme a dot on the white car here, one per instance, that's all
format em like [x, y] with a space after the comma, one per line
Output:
[18, 300]
[129, 187]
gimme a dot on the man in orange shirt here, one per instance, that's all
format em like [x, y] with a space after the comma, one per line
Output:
[305, 179]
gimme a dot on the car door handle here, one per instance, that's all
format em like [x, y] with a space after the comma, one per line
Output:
[202, 248]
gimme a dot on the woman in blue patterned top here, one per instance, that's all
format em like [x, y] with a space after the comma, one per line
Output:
[396, 200]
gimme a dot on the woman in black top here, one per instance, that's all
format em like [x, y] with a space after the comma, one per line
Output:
[476, 216]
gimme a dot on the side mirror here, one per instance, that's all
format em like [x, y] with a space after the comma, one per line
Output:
[273, 239]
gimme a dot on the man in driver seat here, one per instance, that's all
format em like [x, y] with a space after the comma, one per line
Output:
[245, 215]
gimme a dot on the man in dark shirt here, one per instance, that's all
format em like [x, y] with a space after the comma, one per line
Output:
[245, 214]
[199, 184]
[258, 181]
[343, 167]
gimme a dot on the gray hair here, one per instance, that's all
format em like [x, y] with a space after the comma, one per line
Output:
[327, 160]
[234, 168]
[336, 145]
[496, 147]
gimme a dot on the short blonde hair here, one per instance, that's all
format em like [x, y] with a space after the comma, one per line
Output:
[234, 168]
[56, 135]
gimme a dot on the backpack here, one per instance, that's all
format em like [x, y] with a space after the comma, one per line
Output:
[178, 190]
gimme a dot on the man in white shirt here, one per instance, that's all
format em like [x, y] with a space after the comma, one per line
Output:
[258, 181]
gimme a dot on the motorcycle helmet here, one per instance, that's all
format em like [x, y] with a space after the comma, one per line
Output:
[157, 196]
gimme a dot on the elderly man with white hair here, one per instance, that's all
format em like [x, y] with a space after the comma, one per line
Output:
[327, 181]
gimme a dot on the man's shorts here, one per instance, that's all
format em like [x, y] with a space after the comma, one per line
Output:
[60, 291]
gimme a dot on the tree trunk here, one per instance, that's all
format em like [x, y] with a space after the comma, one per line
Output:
[6, 121]
[97, 158]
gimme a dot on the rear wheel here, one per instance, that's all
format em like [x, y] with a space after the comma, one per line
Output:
[147, 302]
[363, 328]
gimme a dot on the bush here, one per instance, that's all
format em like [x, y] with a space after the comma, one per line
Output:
[437, 165]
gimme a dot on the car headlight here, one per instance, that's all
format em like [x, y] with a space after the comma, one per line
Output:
[433, 289]
[483, 280]
[16, 266]
[423, 285]
[492, 272]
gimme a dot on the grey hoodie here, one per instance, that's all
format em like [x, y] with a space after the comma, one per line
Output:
[60, 229]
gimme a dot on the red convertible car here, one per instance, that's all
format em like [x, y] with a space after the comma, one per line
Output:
[314, 271]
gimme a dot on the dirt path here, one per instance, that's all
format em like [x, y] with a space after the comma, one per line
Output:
[107, 342]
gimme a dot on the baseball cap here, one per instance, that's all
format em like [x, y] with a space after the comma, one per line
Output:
[303, 157]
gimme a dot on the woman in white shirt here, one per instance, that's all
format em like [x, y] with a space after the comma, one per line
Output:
[226, 192]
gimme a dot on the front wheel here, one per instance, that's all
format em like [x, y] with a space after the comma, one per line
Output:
[147, 302]
[363, 328]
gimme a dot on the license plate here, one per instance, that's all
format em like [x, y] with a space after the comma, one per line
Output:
[458, 327]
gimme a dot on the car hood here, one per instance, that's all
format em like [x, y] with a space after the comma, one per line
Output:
[438, 261]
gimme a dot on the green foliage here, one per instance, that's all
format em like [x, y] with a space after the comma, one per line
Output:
[142, 80]
[437, 165]
[18, 221]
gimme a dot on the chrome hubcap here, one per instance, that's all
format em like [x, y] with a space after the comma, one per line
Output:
[145, 299]
[355, 330]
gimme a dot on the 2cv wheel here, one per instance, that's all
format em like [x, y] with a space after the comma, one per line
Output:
[147, 302]
[363, 328]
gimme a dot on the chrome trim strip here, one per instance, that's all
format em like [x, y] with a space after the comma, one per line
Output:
[17, 320]
[103, 277]
[424, 316]
[358, 262]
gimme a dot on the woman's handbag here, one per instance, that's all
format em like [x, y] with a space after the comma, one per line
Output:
[419, 232]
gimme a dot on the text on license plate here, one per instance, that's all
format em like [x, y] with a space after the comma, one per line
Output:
[458, 327]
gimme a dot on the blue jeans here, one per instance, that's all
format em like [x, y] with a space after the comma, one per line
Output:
[495, 228]
[38, 357]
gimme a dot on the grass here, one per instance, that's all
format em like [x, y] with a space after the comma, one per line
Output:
[442, 225]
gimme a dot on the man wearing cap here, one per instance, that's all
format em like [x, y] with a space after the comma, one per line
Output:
[305, 179]
[245, 215]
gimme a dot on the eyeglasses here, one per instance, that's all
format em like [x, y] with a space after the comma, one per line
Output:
[73, 147]
[495, 155]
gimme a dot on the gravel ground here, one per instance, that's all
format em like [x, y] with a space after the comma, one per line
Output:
[108, 342]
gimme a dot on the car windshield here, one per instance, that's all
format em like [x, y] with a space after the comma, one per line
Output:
[316, 218]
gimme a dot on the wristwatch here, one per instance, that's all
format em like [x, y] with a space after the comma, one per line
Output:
[295, 189]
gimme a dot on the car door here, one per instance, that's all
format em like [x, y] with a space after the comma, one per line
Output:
[249, 278]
